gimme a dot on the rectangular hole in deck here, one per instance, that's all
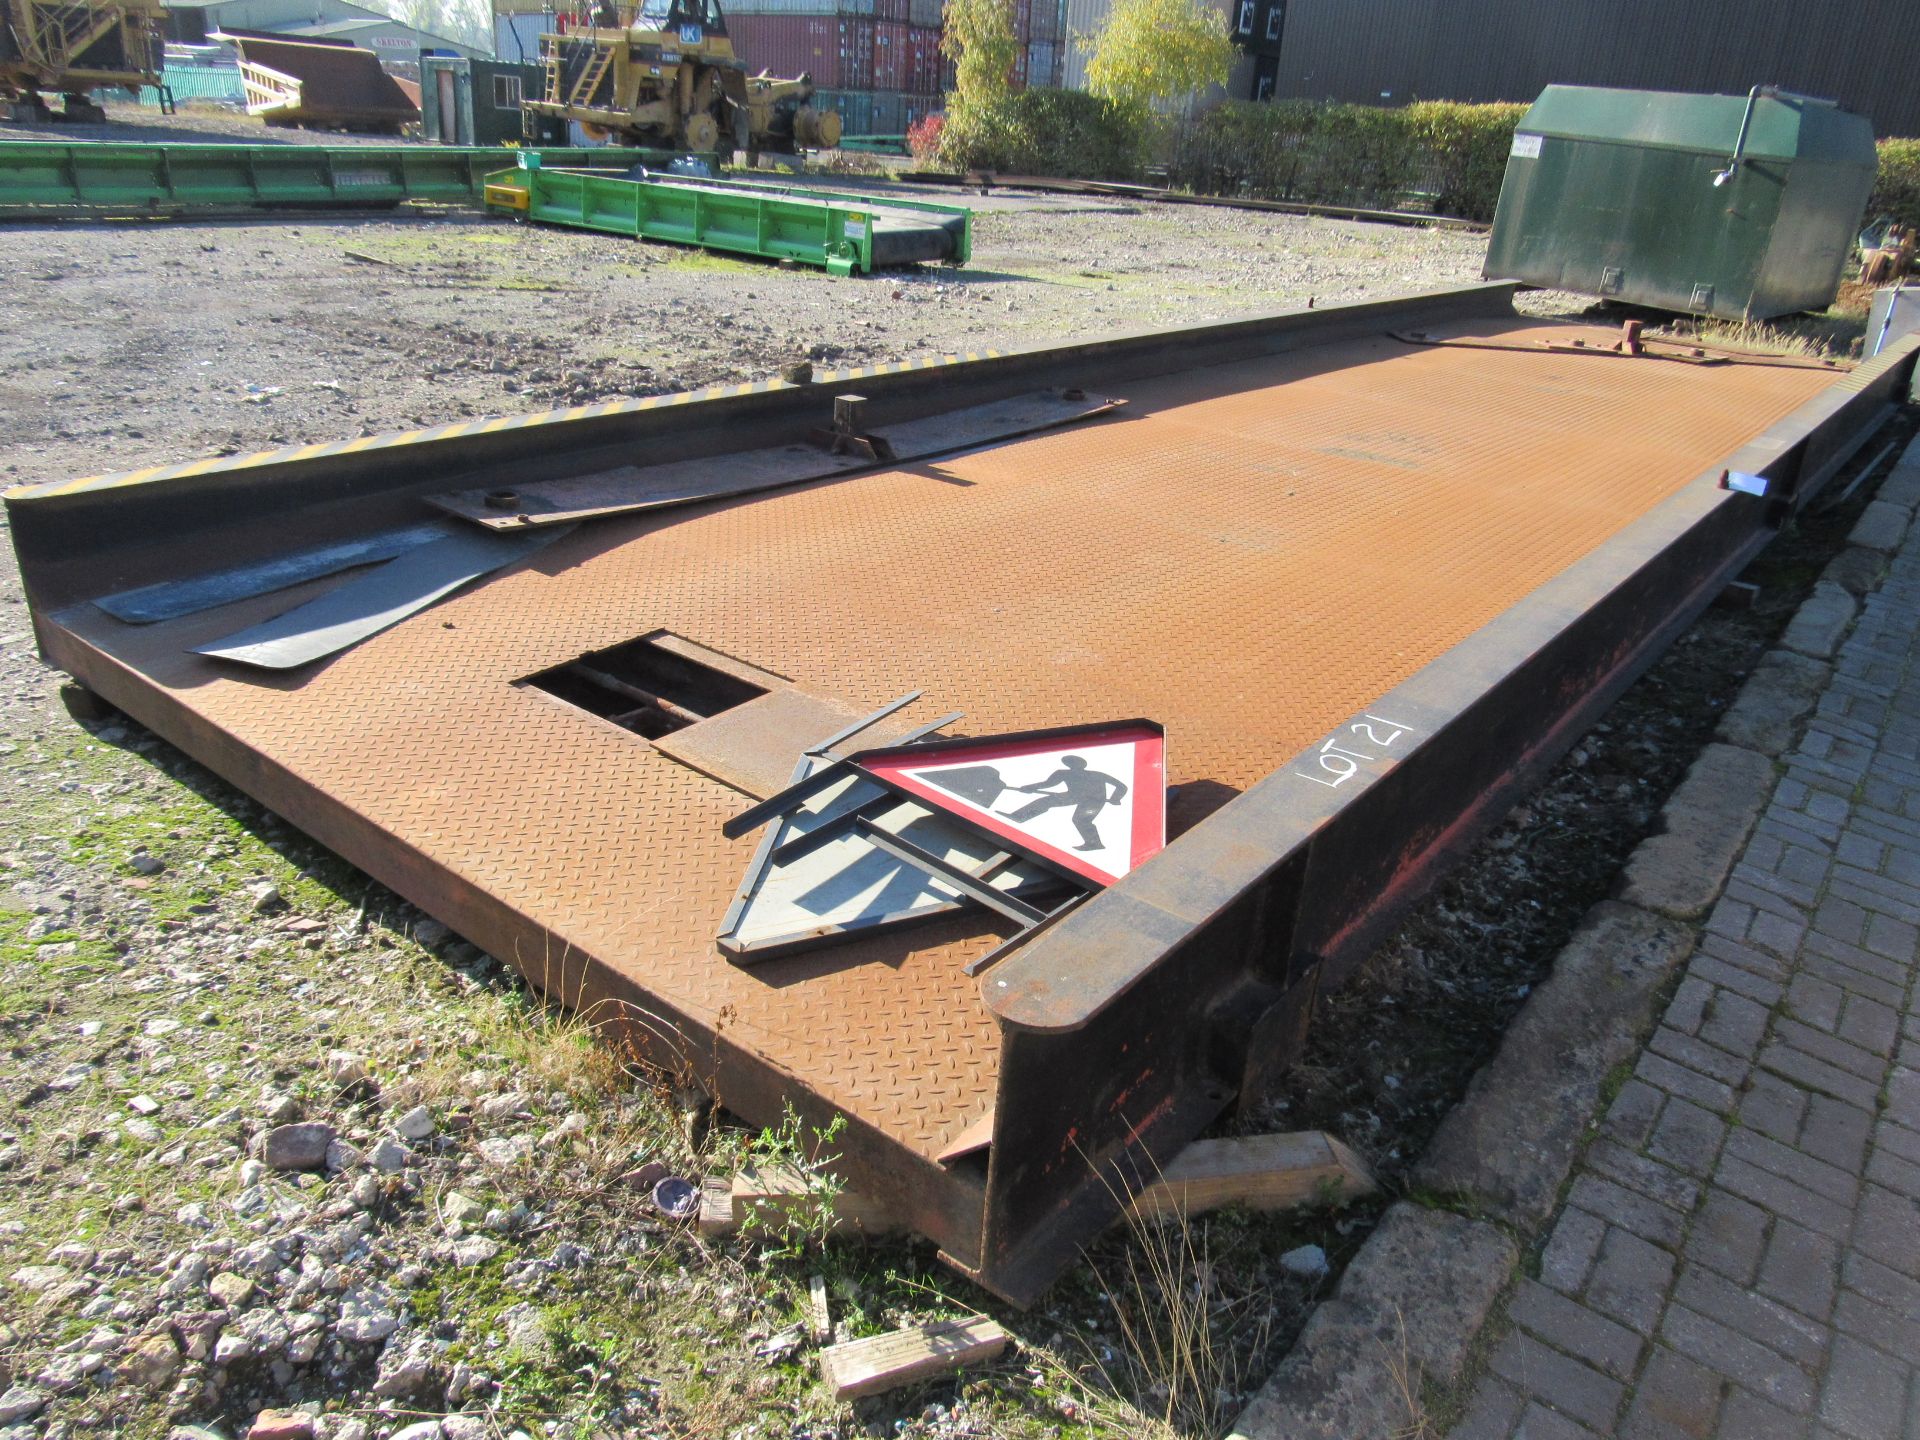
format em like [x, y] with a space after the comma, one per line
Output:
[644, 687]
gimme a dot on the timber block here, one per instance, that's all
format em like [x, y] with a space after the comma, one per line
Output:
[1259, 1172]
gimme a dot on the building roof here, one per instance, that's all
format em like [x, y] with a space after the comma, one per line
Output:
[317, 18]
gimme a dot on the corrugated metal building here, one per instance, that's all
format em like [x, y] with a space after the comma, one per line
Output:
[313, 20]
[1863, 53]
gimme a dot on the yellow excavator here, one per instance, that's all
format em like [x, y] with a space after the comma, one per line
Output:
[74, 47]
[663, 73]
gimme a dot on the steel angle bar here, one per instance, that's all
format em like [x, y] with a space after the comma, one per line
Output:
[759, 865]
[1021, 852]
[361, 609]
[964, 880]
[792, 798]
[848, 731]
[805, 787]
[1014, 942]
[838, 827]
[782, 907]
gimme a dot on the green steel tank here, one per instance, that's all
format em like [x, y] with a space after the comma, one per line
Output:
[1743, 207]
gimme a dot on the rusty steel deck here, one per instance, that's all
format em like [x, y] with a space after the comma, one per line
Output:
[1270, 544]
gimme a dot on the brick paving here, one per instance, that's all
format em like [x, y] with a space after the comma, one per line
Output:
[1738, 1253]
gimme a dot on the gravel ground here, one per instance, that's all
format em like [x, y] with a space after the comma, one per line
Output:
[371, 324]
[270, 1139]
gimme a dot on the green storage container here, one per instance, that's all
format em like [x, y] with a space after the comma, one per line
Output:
[1739, 206]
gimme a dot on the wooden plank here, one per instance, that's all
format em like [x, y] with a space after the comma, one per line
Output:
[777, 1193]
[886, 1362]
[716, 1206]
[819, 1312]
[630, 488]
[1260, 1172]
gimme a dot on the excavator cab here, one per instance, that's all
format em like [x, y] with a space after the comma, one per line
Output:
[690, 20]
[663, 73]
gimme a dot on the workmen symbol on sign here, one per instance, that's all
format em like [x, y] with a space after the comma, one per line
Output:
[1088, 799]
[1088, 791]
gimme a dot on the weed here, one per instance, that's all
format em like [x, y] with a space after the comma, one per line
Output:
[1816, 336]
[799, 1155]
[1404, 1372]
[1610, 1087]
[1174, 1322]
[705, 262]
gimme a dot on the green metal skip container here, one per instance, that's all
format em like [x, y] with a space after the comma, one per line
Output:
[1740, 206]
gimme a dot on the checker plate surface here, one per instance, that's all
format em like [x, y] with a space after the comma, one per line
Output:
[1250, 554]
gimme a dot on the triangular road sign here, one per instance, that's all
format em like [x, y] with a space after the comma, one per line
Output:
[849, 887]
[1090, 799]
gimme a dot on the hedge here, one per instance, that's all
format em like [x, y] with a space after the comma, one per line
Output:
[1434, 154]
[1448, 156]
[1896, 194]
[1065, 133]
[1465, 149]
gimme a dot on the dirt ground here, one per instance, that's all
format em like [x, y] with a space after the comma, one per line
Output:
[180, 973]
[142, 340]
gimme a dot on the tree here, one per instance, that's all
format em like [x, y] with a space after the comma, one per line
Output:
[979, 39]
[1149, 52]
[470, 22]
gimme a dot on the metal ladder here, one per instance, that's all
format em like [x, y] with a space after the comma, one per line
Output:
[591, 77]
[58, 33]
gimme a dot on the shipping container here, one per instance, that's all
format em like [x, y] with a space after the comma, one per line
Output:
[800, 7]
[1044, 22]
[856, 54]
[895, 10]
[925, 62]
[855, 109]
[516, 38]
[1862, 53]
[926, 13]
[892, 55]
[1043, 63]
[876, 113]
[788, 46]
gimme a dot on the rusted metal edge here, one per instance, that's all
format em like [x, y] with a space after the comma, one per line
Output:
[1018, 994]
[1288, 886]
[528, 435]
[73, 548]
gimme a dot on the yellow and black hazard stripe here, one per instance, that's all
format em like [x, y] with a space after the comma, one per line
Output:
[156, 474]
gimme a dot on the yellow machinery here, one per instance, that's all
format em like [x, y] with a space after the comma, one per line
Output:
[663, 73]
[74, 47]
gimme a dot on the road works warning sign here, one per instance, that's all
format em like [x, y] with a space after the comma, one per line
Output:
[1091, 799]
